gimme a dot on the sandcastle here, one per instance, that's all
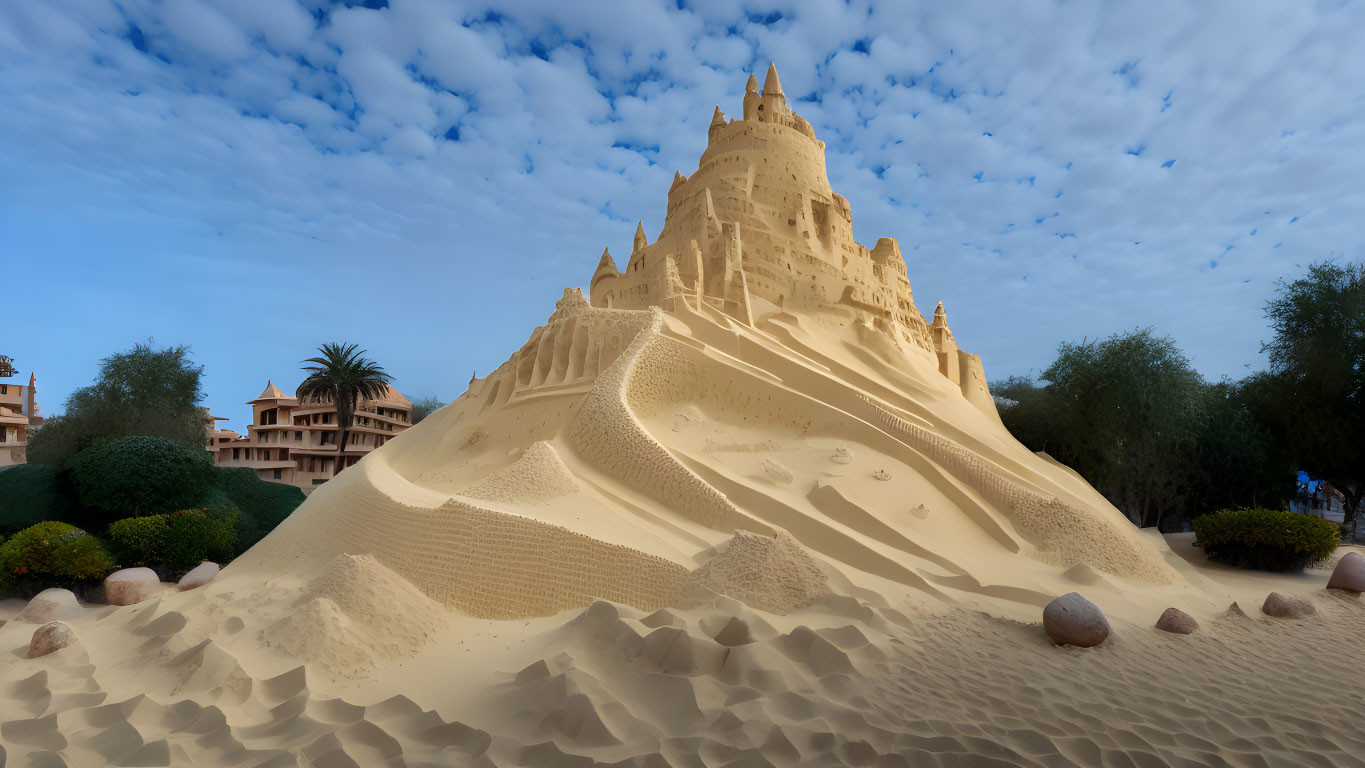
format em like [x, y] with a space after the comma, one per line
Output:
[754, 369]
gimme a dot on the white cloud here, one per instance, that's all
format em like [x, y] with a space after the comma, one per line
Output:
[432, 167]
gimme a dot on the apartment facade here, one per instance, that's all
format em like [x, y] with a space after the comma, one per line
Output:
[294, 441]
[18, 414]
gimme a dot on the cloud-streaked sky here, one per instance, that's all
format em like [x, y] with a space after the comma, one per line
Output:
[256, 177]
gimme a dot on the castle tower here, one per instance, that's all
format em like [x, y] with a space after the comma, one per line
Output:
[773, 99]
[945, 346]
[795, 249]
[640, 240]
[750, 99]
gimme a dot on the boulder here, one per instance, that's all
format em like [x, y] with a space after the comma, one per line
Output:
[1349, 573]
[1176, 621]
[131, 585]
[199, 575]
[50, 605]
[1287, 606]
[50, 637]
[1073, 620]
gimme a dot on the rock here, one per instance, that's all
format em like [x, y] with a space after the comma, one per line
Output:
[50, 637]
[131, 585]
[199, 575]
[1235, 611]
[1176, 621]
[1073, 620]
[1287, 606]
[50, 605]
[1349, 573]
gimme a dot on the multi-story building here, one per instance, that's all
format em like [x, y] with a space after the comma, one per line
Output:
[18, 415]
[295, 441]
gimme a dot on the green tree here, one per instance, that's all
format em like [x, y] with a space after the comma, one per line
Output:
[1238, 462]
[423, 407]
[143, 391]
[1317, 370]
[1126, 413]
[140, 475]
[1128, 410]
[342, 375]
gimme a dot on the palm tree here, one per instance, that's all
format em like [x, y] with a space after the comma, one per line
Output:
[342, 376]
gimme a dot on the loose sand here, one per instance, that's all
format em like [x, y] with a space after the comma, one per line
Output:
[745, 508]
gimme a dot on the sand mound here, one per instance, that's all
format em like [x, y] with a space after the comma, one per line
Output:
[353, 614]
[319, 632]
[398, 616]
[771, 573]
[537, 475]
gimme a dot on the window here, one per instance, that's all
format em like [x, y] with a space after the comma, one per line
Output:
[236, 453]
[267, 455]
[4, 389]
[298, 435]
[277, 474]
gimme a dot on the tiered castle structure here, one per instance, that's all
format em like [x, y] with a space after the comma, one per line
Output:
[757, 229]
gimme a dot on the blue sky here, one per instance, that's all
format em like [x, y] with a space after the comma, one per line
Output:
[256, 177]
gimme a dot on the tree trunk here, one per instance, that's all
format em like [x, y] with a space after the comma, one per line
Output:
[1350, 504]
[344, 416]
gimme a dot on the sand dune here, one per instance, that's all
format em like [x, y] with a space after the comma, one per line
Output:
[742, 505]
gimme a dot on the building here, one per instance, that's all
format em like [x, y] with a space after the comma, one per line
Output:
[295, 442]
[18, 414]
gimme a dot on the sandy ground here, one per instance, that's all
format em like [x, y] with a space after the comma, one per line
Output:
[209, 677]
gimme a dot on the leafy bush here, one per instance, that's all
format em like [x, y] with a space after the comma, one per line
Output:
[139, 541]
[178, 541]
[1266, 539]
[261, 505]
[193, 536]
[31, 494]
[52, 550]
[140, 475]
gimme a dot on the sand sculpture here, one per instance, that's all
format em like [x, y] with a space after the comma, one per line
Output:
[753, 370]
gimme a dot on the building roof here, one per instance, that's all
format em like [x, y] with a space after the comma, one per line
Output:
[396, 396]
[271, 392]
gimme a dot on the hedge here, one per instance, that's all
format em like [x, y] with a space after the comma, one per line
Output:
[52, 550]
[1266, 539]
[31, 494]
[261, 505]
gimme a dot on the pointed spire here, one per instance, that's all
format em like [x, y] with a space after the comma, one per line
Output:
[640, 240]
[771, 85]
[271, 392]
[719, 117]
[751, 86]
[606, 260]
[940, 315]
[678, 178]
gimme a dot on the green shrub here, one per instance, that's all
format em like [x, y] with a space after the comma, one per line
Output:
[178, 541]
[31, 494]
[194, 535]
[140, 475]
[139, 541]
[52, 550]
[1266, 539]
[262, 505]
